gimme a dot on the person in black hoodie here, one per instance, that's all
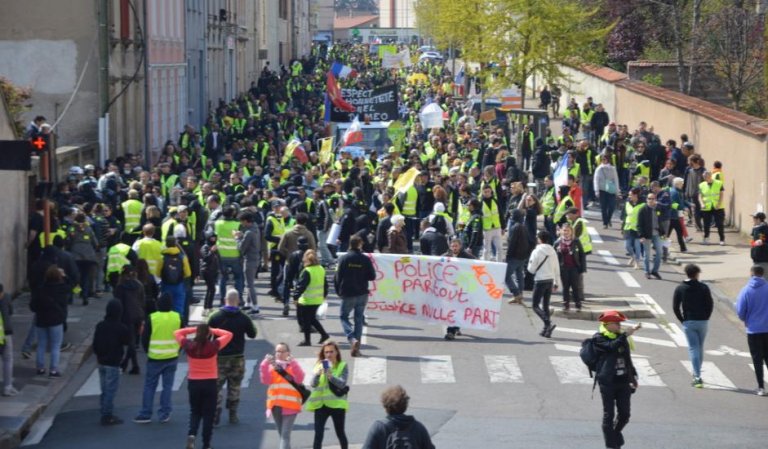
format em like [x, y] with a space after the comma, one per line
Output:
[432, 241]
[130, 292]
[692, 303]
[109, 340]
[395, 402]
[353, 274]
[518, 250]
[293, 267]
[50, 307]
[231, 361]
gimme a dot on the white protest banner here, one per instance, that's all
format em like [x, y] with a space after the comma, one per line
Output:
[397, 60]
[439, 290]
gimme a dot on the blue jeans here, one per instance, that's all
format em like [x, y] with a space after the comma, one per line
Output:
[632, 245]
[109, 377]
[49, 336]
[695, 333]
[322, 236]
[657, 249]
[236, 266]
[155, 369]
[358, 304]
[515, 277]
[178, 294]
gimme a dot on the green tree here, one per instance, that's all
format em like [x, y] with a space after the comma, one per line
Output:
[525, 37]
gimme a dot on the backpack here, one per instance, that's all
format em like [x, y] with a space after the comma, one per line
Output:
[400, 439]
[173, 269]
[589, 354]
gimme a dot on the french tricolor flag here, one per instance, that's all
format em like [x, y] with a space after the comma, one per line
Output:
[341, 71]
[354, 134]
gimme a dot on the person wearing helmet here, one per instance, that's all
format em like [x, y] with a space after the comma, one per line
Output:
[615, 374]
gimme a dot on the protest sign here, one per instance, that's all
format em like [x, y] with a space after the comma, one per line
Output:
[387, 50]
[372, 104]
[397, 60]
[438, 290]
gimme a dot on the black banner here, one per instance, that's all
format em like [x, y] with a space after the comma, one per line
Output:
[375, 104]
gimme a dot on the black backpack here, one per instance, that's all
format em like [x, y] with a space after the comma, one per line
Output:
[591, 357]
[400, 439]
[173, 269]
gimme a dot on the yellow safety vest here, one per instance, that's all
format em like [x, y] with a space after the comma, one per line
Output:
[464, 214]
[2, 332]
[227, 243]
[322, 396]
[584, 238]
[562, 207]
[132, 213]
[117, 258]
[167, 183]
[710, 194]
[631, 212]
[548, 202]
[167, 227]
[314, 295]
[51, 236]
[490, 216]
[278, 229]
[151, 250]
[162, 344]
[409, 205]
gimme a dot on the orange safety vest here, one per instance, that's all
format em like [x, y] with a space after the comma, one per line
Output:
[282, 394]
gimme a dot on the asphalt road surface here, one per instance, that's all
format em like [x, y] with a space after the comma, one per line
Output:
[509, 389]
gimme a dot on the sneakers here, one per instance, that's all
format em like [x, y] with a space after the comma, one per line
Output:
[10, 391]
[110, 420]
[26, 355]
[656, 275]
[141, 419]
[688, 239]
[254, 311]
[323, 339]
[40, 372]
[722, 243]
[206, 312]
[548, 332]
[517, 299]
[54, 374]
[450, 336]
[705, 241]
[304, 343]
[165, 419]
[286, 310]
[760, 392]
[697, 382]
[631, 262]
[190, 442]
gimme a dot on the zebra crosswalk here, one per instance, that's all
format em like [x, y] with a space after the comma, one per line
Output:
[443, 369]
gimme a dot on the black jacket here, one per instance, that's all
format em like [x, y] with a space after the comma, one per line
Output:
[131, 297]
[518, 243]
[235, 321]
[353, 273]
[111, 336]
[381, 233]
[578, 254]
[433, 243]
[611, 351]
[645, 222]
[692, 300]
[293, 267]
[50, 305]
[380, 430]
[473, 232]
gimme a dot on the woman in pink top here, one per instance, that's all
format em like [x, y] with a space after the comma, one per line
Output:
[202, 354]
[283, 402]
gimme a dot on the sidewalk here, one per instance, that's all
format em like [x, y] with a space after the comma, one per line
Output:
[19, 413]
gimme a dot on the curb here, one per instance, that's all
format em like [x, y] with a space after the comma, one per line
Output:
[11, 438]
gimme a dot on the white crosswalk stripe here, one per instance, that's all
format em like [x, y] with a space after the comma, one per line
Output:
[713, 378]
[439, 369]
[369, 371]
[436, 369]
[503, 369]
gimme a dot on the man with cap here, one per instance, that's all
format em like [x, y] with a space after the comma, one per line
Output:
[759, 251]
[615, 374]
